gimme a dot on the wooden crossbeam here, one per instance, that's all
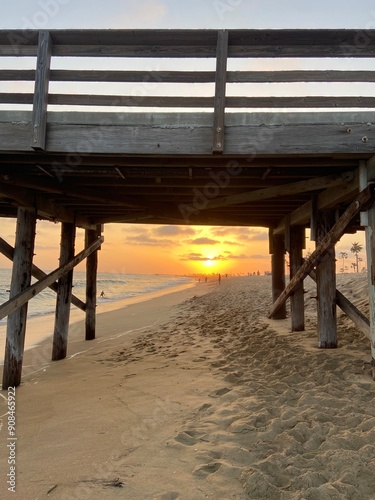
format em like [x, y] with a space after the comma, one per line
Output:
[37, 273]
[33, 290]
[283, 190]
[331, 238]
[326, 199]
[359, 319]
[45, 208]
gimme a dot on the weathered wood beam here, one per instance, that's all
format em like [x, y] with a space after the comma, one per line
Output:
[91, 284]
[21, 298]
[44, 207]
[285, 76]
[359, 319]
[282, 190]
[37, 273]
[66, 188]
[193, 102]
[21, 278]
[370, 251]
[326, 199]
[64, 294]
[297, 302]
[328, 241]
[220, 89]
[131, 139]
[40, 100]
[326, 284]
[277, 249]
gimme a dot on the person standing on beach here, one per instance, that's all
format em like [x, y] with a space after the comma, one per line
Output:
[102, 293]
[219, 278]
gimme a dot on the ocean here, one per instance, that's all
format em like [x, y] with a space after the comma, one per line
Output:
[116, 287]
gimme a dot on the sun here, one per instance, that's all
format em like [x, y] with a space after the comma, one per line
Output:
[209, 263]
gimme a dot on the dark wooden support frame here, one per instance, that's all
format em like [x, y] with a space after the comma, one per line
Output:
[297, 305]
[15, 341]
[40, 100]
[91, 284]
[64, 293]
[21, 279]
[277, 249]
[21, 298]
[37, 273]
[328, 241]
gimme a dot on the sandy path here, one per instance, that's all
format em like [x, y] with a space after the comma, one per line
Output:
[215, 401]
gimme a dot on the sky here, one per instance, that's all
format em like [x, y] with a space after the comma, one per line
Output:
[178, 249]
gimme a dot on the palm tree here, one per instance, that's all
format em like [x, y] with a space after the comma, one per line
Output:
[343, 255]
[356, 249]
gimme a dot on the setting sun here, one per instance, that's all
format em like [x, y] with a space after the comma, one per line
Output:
[209, 262]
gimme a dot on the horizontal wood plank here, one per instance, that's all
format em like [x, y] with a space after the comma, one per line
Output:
[181, 138]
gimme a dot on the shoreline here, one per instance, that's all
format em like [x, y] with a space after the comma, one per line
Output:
[40, 328]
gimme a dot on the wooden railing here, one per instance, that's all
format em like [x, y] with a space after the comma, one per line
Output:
[171, 44]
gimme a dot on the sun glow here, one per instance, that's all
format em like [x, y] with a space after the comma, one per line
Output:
[209, 263]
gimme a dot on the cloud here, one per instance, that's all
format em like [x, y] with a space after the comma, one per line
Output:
[145, 14]
[148, 240]
[204, 241]
[259, 256]
[242, 256]
[241, 233]
[233, 243]
[193, 256]
[173, 231]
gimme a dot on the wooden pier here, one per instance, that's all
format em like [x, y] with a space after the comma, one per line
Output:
[177, 128]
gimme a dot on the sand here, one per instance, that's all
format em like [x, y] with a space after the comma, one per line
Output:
[198, 395]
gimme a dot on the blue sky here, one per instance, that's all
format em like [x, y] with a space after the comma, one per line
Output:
[192, 14]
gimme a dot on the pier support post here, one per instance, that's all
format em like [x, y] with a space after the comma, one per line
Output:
[297, 303]
[277, 249]
[64, 294]
[91, 235]
[21, 279]
[370, 251]
[326, 285]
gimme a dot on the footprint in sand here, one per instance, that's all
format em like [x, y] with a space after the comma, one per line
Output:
[204, 470]
[219, 392]
[189, 438]
[169, 495]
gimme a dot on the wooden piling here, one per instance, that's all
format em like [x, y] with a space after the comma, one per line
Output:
[297, 303]
[64, 294]
[277, 248]
[326, 285]
[21, 279]
[370, 251]
[91, 235]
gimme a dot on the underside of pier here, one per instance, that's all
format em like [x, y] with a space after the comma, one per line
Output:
[227, 153]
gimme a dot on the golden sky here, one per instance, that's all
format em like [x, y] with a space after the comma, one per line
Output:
[135, 248]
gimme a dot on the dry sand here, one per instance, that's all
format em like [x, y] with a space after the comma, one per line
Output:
[203, 397]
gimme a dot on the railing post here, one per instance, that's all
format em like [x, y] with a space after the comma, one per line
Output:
[220, 85]
[39, 120]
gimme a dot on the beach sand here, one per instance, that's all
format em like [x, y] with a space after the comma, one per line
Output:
[198, 395]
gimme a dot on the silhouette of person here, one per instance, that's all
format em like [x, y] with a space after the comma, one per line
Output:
[102, 294]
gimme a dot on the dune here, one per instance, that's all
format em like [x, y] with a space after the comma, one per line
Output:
[198, 395]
